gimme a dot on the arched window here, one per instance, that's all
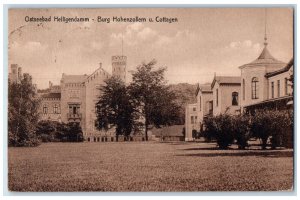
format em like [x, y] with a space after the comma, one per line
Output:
[45, 109]
[235, 99]
[255, 85]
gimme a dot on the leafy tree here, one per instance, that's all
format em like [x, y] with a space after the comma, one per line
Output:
[115, 107]
[153, 97]
[22, 113]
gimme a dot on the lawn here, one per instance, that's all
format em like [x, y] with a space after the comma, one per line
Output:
[147, 166]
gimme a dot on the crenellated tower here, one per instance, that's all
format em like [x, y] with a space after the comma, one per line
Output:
[119, 67]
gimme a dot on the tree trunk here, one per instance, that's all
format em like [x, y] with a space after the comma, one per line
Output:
[146, 130]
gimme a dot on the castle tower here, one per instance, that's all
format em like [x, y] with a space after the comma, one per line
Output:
[16, 73]
[119, 67]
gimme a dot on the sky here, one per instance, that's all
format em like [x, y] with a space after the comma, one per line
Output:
[204, 41]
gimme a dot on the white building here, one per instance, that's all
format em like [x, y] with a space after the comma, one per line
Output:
[191, 121]
[226, 92]
[265, 80]
[204, 103]
[219, 97]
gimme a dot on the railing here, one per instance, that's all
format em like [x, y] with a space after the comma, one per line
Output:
[74, 116]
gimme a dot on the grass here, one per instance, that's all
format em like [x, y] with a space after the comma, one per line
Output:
[151, 166]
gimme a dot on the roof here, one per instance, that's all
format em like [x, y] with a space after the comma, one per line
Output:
[284, 69]
[204, 88]
[74, 78]
[271, 100]
[51, 95]
[235, 80]
[265, 59]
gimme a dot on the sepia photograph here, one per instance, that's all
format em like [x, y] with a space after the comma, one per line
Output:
[197, 99]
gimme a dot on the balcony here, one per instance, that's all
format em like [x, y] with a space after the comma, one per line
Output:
[74, 116]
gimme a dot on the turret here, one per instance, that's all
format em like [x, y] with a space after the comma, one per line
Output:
[119, 67]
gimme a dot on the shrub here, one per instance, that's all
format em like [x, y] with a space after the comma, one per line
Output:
[46, 130]
[276, 125]
[49, 131]
[282, 129]
[75, 133]
[209, 133]
[241, 130]
[219, 128]
[224, 131]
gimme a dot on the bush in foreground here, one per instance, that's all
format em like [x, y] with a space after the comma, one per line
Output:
[50, 131]
[219, 128]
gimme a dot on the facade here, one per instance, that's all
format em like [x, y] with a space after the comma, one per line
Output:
[191, 121]
[74, 100]
[264, 80]
[279, 90]
[204, 96]
[219, 97]
[50, 108]
[226, 91]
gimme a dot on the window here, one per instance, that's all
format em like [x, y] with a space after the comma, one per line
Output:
[278, 88]
[200, 103]
[45, 109]
[243, 89]
[74, 109]
[272, 89]
[195, 120]
[192, 119]
[194, 109]
[55, 109]
[235, 98]
[286, 86]
[217, 91]
[254, 88]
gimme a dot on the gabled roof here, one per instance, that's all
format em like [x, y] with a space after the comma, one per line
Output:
[204, 88]
[265, 59]
[284, 69]
[232, 80]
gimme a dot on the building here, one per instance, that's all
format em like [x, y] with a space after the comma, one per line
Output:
[204, 96]
[191, 121]
[50, 108]
[219, 97]
[265, 82]
[226, 90]
[74, 100]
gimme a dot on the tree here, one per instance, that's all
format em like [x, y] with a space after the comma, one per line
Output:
[153, 97]
[115, 107]
[22, 113]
